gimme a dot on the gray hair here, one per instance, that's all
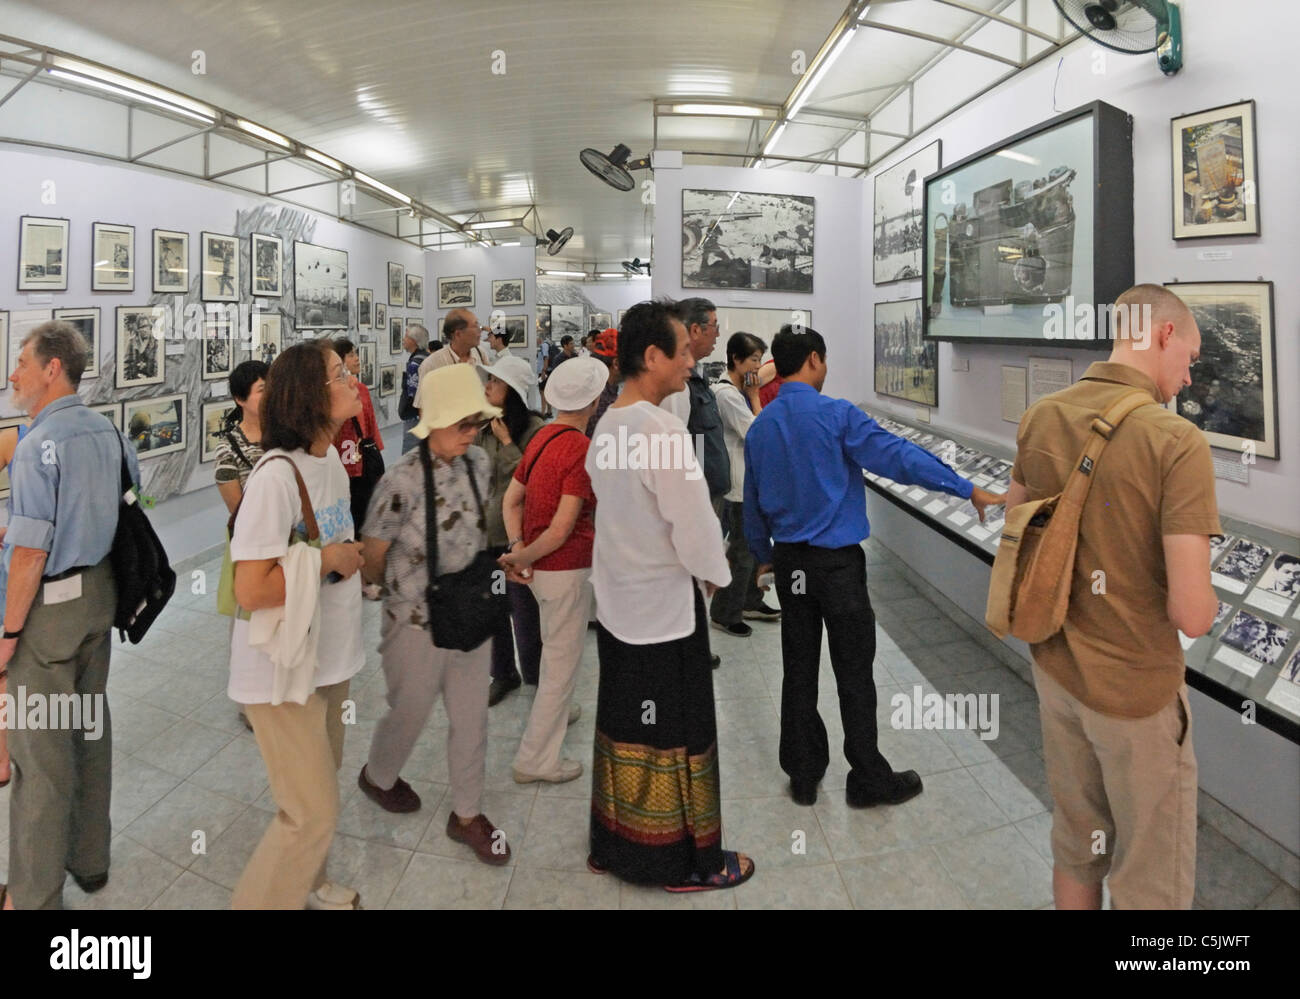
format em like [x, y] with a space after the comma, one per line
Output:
[694, 311]
[421, 333]
[62, 340]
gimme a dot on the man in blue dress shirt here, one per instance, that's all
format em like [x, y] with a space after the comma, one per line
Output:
[805, 517]
[59, 605]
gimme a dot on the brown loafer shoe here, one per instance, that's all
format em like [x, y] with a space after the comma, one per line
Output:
[399, 798]
[482, 837]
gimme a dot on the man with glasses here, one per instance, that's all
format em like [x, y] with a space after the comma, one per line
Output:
[462, 332]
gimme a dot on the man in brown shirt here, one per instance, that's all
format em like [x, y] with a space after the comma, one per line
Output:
[1117, 734]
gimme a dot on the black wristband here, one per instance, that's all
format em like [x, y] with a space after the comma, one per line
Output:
[13, 634]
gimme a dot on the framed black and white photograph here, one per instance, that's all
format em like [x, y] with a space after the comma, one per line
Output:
[218, 349]
[141, 335]
[219, 259]
[1233, 395]
[87, 323]
[1245, 561]
[155, 426]
[599, 321]
[265, 340]
[741, 239]
[4, 342]
[396, 333]
[212, 422]
[365, 309]
[618, 316]
[112, 257]
[387, 379]
[381, 316]
[111, 411]
[1282, 577]
[906, 366]
[456, 292]
[516, 330]
[171, 262]
[42, 254]
[898, 224]
[542, 320]
[414, 291]
[267, 256]
[1261, 640]
[396, 284]
[1215, 180]
[5, 424]
[508, 292]
[366, 355]
[567, 320]
[1032, 228]
[320, 287]
[1220, 543]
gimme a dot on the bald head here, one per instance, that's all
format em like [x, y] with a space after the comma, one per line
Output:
[1155, 332]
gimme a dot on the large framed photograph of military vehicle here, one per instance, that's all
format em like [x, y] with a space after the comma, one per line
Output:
[1031, 241]
[897, 221]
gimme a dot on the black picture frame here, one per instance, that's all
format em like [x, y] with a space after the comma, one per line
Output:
[891, 374]
[52, 275]
[396, 284]
[702, 229]
[897, 176]
[180, 276]
[117, 274]
[212, 284]
[266, 265]
[1248, 184]
[87, 322]
[1110, 228]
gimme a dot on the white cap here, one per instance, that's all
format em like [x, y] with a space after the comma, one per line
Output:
[576, 383]
[514, 371]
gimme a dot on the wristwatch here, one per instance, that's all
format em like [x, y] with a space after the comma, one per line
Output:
[13, 634]
[512, 542]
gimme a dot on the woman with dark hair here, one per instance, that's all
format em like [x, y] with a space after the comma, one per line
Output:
[241, 436]
[506, 385]
[297, 637]
[354, 436]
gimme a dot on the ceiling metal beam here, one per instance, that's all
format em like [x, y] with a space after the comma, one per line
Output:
[135, 158]
[951, 43]
[990, 16]
[19, 86]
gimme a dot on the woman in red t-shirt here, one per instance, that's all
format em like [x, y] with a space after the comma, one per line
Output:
[548, 510]
[348, 441]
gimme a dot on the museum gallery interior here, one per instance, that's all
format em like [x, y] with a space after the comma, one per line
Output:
[953, 194]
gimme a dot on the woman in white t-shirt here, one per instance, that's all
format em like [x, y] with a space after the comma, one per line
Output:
[308, 396]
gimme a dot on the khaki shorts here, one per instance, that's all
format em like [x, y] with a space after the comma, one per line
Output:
[1125, 797]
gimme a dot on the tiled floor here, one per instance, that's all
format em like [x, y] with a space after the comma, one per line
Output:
[190, 797]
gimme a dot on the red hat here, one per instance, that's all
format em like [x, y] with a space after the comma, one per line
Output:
[606, 343]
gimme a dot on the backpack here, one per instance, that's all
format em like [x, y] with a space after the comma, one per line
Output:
[1029, 592]
[145, 579]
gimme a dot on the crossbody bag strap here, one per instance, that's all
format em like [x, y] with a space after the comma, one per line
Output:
[430, 516]
[308, 515]
[1103, 427]
[545, 444]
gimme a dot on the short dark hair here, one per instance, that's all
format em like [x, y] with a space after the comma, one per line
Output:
[740, 346]
[296, 402]
[790, 349]
[502, 333]
[453, 325]
[244, 377]
[60, 339]
[645, 325]
[694, 311]
[343, 347]
[566, 340]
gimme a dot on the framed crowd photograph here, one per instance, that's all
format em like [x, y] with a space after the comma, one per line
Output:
[87, 323]
[218, 349]
[381, 316]
[456, 292]
[542, 320]
[1233, 395]
[1215, 179]
[396, 284]
[387, 379]
[141, 335]
[396, 333]
[155, 426]
[414, 291]
[897, 224]
[171, 262]
[1028, 240]
[5, 424]
[219, 260]
[366, 355]
[508, 292]
[212, 422]
[906, 367]
[112, 257]
[265, 342]
[42, 254]
[267, 256]
[744, 239]
[111, 411]
[320, 287]
[365, 309]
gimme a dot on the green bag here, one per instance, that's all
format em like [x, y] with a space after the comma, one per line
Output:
[226, 603]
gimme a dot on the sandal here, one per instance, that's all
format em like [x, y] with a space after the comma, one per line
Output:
[728, 878]
[594, 867]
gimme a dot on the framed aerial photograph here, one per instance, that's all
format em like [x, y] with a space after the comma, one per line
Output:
[1027, 241]
[542, 320]
[599, 321]
[396, 284]
[456, 292]
[87, 323]
[567, 320]
[141, 335]
[1215, 179]
[219, 259]
[1233, 395]
[212, 421]
[741, 239]
[112, 257]
[111, 411]
[897, 223]
[155, 426]
[366, 355]
[171, 261]
[396, 333]
[365, 309]
[218, 349]
[906, 367]
[267, 256]
[387, 379]
[516, 330]
[508, 292]
[320, 287]
[42, 254]
[414, 291]
[265, 340]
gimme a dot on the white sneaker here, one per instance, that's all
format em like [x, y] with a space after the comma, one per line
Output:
[569, 770]
[575, 712]
[332, 896]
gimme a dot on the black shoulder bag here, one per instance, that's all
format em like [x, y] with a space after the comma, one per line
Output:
[464, 609]
[372, 460]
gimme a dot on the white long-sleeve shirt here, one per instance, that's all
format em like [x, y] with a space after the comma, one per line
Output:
[656, 532]
[736, 415]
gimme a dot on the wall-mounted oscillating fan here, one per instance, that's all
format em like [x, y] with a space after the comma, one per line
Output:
[1132, 26]
[557, 240]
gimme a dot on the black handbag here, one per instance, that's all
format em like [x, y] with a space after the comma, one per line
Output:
[372, 460]
[465, 607]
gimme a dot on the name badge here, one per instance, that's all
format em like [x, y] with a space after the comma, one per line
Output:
[60, 591]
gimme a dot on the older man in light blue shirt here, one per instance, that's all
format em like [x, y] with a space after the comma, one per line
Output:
[60, 599]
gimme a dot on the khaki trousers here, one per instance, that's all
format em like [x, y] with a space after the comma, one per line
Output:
[1124, 791]
[564, 600]
[302, 746]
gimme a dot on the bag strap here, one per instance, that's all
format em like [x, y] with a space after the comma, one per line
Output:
[430, 514]
[229, 434]
[308, 515]
[533, 464]
[128, 487]
[1103, 427]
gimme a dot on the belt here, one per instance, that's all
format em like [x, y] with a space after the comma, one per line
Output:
[66, 573]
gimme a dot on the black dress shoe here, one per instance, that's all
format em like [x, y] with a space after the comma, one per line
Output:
[716, 661]
[399, 798]
[500, 688]
[902, 787]
[91, 884]
[804, 792]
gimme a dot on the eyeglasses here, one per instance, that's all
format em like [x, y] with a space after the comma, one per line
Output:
[343, 376]
[470, 426]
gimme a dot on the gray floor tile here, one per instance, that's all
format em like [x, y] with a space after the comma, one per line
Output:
[1226, 877]
[137, 877]
[904, 879]
[431, 882]
[541, 889]
[183, 748]
[180, 826]
[998, 869]
[811, 887]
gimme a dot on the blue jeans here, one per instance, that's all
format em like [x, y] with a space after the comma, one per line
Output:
[409, 440]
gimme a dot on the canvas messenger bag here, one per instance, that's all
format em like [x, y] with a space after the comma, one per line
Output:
[1029, 592]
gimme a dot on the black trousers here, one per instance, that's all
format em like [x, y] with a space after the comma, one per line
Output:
[816, 586]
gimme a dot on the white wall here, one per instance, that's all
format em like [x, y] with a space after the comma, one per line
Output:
[614, 294]
[1225, 61]
[486, 264]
